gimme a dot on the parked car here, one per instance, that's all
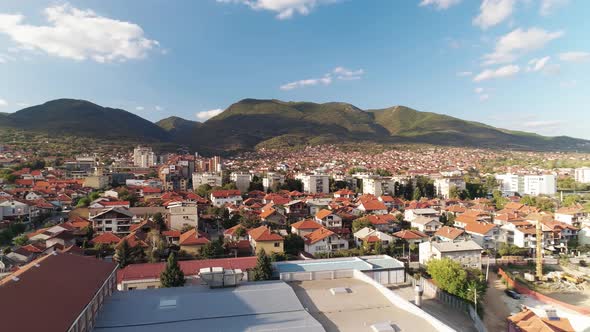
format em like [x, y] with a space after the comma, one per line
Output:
[513, 294]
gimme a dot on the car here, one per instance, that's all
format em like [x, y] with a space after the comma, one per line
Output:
[513, 294]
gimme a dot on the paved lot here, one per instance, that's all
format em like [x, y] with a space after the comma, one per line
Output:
[456, 319]
[355, 311]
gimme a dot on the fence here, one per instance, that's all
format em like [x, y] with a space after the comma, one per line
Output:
[538, 296]
[432, 291]
[316, 275]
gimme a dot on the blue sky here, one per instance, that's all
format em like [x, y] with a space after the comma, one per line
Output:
[517, 64]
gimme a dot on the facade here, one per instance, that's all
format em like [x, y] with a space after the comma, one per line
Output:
[221, 197]
[323, 240]
[315, 183]
[96, 181]
[144, 157]
[262, 238]
[378, 186]
[271, 179]
[181, 215]
[484, 234]
[212, 179]
[582, 175]
[510, 183]
[427, 225]
[328, 219]
[466, 253]
[535, 185]
[242, 181]
[116, 220]
[443, 186]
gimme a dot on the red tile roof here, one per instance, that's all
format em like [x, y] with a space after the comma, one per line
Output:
[410, 234]
[449, 232]
[306, 224]
[225, 193]
[318, 235]
[323, 214]
[106, 238]
[191, 238]
[263, 233]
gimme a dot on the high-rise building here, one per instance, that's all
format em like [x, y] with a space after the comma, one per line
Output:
[242, 180]
[582, 175]
[315, 183]
[144, 157]
[535, 185]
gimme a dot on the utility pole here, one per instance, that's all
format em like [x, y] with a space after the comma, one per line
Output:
[539, 235]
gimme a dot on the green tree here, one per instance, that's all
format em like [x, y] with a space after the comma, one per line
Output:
[203, 190]
[256, 184]
[172, 276]
[417, 194]
[20, 240]
[83, 202]
[159, 220]
[570, 200]
[378, 248]
[449, 275]
[94, 195]
[123, 254]
[360, 223]
[263, 269]
[213, 249]
[454, 192]
[294, 244]
[499, 200]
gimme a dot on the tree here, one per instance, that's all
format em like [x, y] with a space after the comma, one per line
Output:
[230, 186]
[378, 248]
[172, 276]
[454, 192]
[571, 200]
[449, 275]
[159, 220]
[443, 219]
[83, 202]
[94, 195]
[123, 254]
[203, 190]
[416, 195]
[499, 200]
[256, 184]
[294, 244]
[213, 249]
[360, 223]
[263, 269]
[20, 240]
[240, 231]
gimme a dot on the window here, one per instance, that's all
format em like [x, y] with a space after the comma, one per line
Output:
[277, 244]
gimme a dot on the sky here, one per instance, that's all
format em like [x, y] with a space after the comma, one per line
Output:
[516, 64]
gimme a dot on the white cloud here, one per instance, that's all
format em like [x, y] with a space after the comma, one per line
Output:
[23, 104]
[543, 124]
[518, 42]
[501, 72]
[493, 12]
[3, 102]
[464, 73]
[158, 108]
[575, 56]
[79, 34]
[478, 90]
[205, 115]
[568, 84]
[285, 9]
[440, 4]
[340, 73]
[484, 96]
[537, 64]
[548, 6]
[139, 108]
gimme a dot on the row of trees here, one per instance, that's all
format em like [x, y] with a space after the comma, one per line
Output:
[454, 279]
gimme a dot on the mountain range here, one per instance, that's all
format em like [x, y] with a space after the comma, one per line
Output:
[252, 123]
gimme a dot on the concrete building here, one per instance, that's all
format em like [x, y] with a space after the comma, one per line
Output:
[97, 181]
[315, 183]
[535, 185]
[443, 186]
[116, 219]
[182, 214]
[143, 156]
[221, 197]
[582, 175]
[466, 253]
[242, 181]
[510, 183]
[379, 186]
[212, 179]
[270, 179]
[323, 240]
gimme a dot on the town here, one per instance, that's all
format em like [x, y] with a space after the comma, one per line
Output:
[463, 245]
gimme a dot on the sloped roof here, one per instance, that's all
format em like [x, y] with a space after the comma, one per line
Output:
[410, 234]
[106, 238]
[318, 235]
[263, 233]
[449, 232]
[528, 321]
[306, 224]
[192, 237]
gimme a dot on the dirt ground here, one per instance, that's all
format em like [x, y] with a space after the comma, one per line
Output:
[496, 310]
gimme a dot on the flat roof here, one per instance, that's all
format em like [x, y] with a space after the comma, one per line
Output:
[363, 263]
[354, 311]
[255, 306]
[449, 246]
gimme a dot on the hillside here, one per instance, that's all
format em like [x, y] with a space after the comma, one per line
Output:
[253, 123]
[83, 118]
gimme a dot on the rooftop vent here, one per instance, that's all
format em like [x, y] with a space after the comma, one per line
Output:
[551, 314]
[167, 303]
[217, 277]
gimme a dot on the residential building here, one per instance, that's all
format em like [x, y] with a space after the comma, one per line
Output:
[484, 234]
[305, 227]
[582, 175]
[271, 180]
[96, 181]
[510, 183]
[324, 240]
[573, 215]
[263, 238]
[467, 253]
[192, 241]
[428, 225]
[372, 206]
[371, 236]
[144, 157]
[182, 214]
[315, 183]
[13, 209]
[535, 185]
[242, 181]
[411, 236]
[212, 179]
[378, 186]
[39, 289]
[529, 321]
[328, 219]
[443, 186]
[222, 197]
[447, 233]
[411, 214]
[117, 220]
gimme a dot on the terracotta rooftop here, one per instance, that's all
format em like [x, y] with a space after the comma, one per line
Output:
[318, 235]
[306, 224]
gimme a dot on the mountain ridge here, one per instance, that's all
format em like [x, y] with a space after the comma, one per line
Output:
[253, 123]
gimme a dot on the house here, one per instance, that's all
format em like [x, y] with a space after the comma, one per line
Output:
[192, 241]
[411, 214]
[447, 233]
[262, 238]
[411, 236]
[171, 236]
[328, 219]
[573, 215]
[305, 227]
[105, 204]
[324, 240]
[370, 235]
[528, 321]
[344, 193]
[467, 253]
[12, 209]
[236, 233]
[382, 222]
[271, 215]
[222, 197]
[181, 214]
[373, 206]
[106, 238]
[428, 225]
[296, 210]
[117, 220]
[391, 202]
[484, 234]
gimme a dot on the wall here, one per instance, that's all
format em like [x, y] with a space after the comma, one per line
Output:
[540, 297]
[401, 303]
[269, 247]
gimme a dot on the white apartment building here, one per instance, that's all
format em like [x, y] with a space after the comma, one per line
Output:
[443, 186]
[582, 175]
[510, 183]
[467, 253]
[271, 178]
[242, 180]
[315, 183]
[535, 185]
[182, 214]
[212, 179]
[379, 186]
[143, 156]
